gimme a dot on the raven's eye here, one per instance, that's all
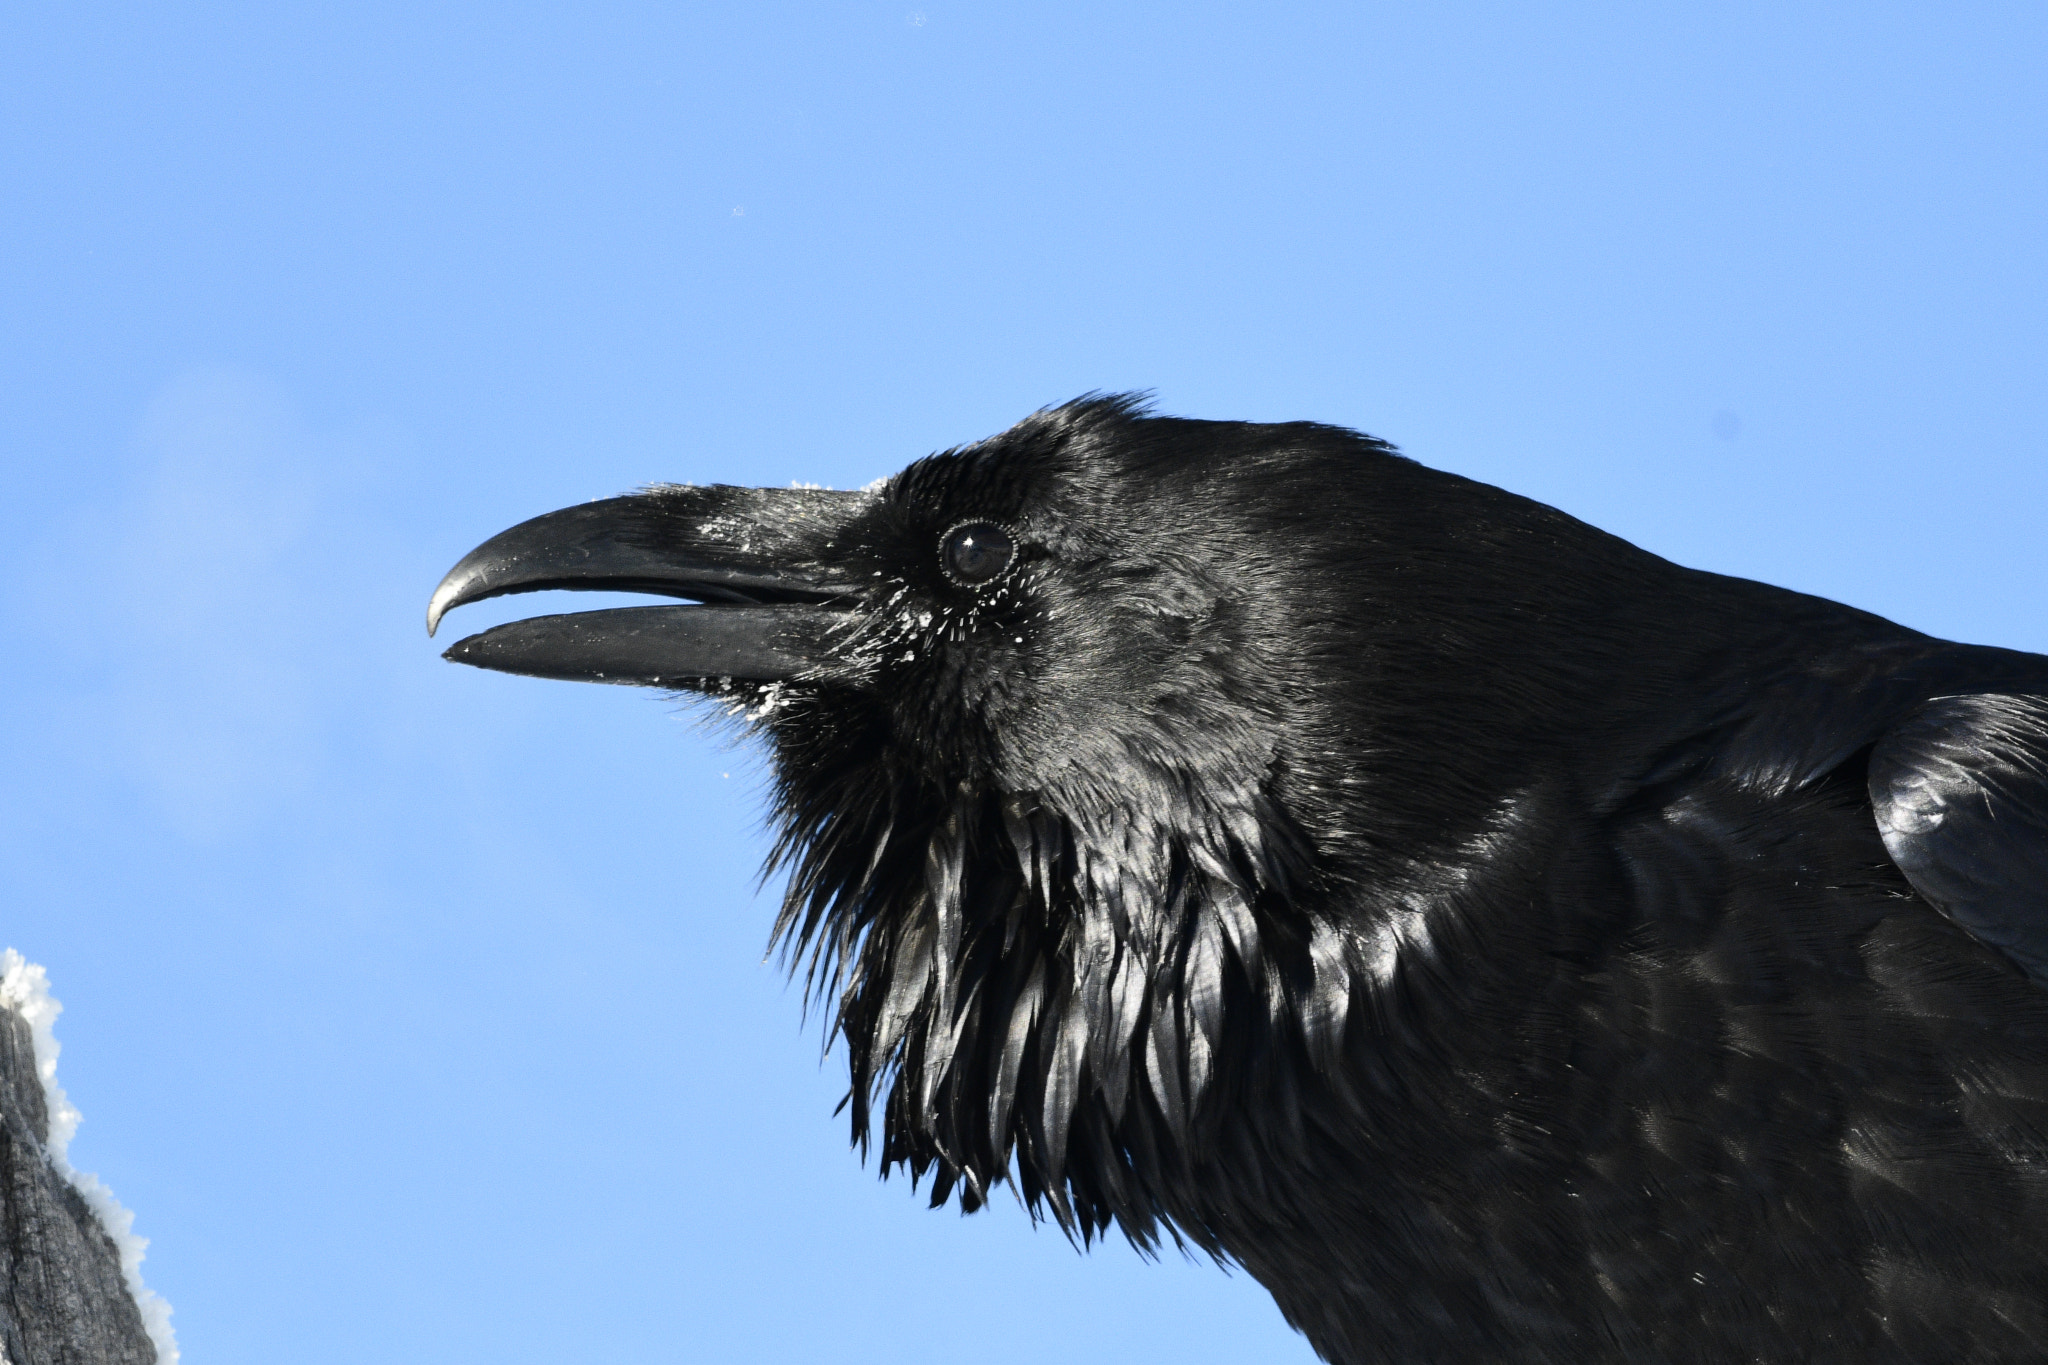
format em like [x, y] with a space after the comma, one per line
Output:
[974, 552]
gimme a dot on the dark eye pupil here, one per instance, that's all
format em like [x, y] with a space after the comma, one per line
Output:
[977, 551]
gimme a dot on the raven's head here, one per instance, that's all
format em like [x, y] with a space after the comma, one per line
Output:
[1106, 752]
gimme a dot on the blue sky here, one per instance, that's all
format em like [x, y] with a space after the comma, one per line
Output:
[421, 1013]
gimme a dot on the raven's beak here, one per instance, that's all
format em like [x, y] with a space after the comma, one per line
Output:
[750, 556]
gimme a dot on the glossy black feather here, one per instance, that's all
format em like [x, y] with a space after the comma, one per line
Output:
[1479, 929]
[1961, 795]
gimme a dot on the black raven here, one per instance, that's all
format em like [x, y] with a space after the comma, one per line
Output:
[1503, 943]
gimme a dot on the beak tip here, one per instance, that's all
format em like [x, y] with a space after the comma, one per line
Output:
[437, 607]
[465, 651]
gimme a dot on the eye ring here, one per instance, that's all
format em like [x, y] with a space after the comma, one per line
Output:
[976, 552]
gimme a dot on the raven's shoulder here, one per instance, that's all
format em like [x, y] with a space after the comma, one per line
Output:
[1953, 741]
[1828, 701]
[1960, 790]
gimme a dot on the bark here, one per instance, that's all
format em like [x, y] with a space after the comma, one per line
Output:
[62, 1298]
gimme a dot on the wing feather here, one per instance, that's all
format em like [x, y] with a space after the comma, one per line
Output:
[1960, 789]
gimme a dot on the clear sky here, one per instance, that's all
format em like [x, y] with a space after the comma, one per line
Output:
[421, 1013]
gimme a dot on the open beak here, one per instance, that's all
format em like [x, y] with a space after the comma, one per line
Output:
[755, 560]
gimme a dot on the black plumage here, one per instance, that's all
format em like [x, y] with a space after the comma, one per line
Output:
[1505, 944]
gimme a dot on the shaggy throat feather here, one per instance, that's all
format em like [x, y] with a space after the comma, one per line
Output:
[1025, 995]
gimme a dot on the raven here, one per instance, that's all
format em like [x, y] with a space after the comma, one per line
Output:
[1503, 943]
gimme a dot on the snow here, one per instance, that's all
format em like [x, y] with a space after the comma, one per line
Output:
[25, 989]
